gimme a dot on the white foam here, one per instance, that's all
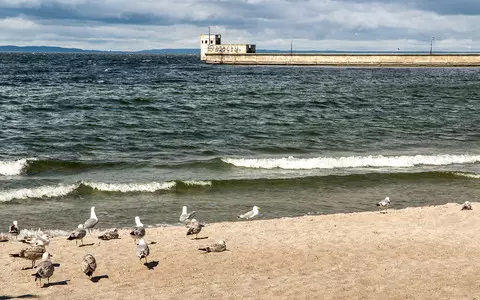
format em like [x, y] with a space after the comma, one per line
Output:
[468, 175]
[197, 182]
[12, 168]
[32, 233]
[38, 192]
[130, 187]
[403, 161]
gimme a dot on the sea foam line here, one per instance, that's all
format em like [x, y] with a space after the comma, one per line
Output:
[403, 161]
[48, 191]
[468, 175]
[130, 187]
[13, 167]
[197, 182]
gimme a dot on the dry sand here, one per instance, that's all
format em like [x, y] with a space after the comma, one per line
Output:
[414, 253]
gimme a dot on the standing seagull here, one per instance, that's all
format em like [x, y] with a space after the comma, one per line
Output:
[185, 217]
[195, 228]
[33, 253]
[78, 234]
[249, 215]
[142, 250]
[14, 229]
[467, 206]
[384, 204]
[138, 231]
[89, 264]
[90, 223]
[45, 269]
[219, 246]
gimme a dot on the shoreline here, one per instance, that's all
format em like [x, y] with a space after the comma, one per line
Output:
[406, 253]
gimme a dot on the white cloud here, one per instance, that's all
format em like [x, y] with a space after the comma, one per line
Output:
[314, 25]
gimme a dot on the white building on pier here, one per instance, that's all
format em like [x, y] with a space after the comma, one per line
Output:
[212, 43]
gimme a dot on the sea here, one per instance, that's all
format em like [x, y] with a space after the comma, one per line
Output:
[143, 135]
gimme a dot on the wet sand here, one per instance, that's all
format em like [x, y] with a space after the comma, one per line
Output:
[414, 253]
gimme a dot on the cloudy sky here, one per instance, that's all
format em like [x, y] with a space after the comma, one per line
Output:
[270, 24]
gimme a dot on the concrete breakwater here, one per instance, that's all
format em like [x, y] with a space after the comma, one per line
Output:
[359, 60]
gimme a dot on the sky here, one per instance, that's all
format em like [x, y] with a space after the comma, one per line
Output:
[131, 25]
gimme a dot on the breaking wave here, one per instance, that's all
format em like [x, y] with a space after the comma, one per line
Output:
[53, 191]
[403, 161]
[12, 168]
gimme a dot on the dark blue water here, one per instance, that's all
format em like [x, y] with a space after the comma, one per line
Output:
[146, 134]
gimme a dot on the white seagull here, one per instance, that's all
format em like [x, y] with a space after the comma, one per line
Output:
[185, 217]
[90, 223]
[138, 231]
[384, 204]
[251, 214]
[142, 250]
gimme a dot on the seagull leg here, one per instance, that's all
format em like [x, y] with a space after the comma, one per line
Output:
[82, 241]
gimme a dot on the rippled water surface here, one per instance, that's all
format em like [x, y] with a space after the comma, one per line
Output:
[146, 134]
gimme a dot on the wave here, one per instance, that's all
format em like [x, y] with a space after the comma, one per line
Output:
[12, 168]
[403, 161]
[130, 187]
[87, 187]
[467, 175]
[47, 191]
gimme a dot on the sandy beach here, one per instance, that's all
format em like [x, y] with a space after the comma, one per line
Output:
[414, 253]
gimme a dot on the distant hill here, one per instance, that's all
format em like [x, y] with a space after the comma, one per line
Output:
[171, 51]
[48, 49]
[184, 51]
[43, 49]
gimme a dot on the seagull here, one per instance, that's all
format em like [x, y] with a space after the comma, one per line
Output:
[33, 253]
[45, 269]
[195, 228]
[109, 235]
[90, 223]
[142, 250]
[384, 204]
[467, 206]
[89, 264]
[219, 246]
[251, 214]
[78, 234]
[138, 231]
[44, 238]
[185, 217]
[14, 229]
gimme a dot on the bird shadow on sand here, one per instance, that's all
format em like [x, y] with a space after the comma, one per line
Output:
[85, 245]
[63, 282]
[97, 278]
[56, 265]
[152, 264]
[152, 243]
[200, 238]
[3, 241]
[26, 296]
